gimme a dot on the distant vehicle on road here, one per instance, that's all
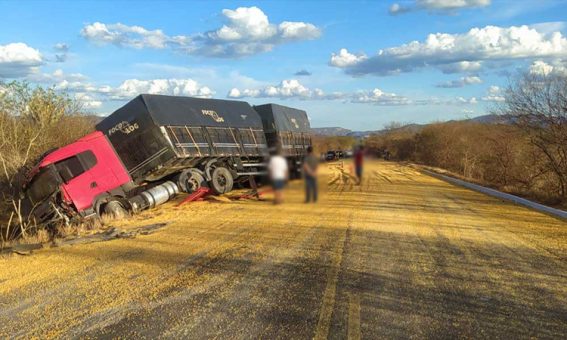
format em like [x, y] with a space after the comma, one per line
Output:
[331, 156]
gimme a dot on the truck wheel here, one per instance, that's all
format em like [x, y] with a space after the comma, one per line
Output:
[190, 181]
[115, 210]
[221, 181]
[195, 181]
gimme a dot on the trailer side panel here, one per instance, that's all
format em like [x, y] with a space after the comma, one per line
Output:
[286, 127]
[156, 135]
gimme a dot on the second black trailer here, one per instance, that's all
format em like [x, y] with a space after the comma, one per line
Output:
[289, 130]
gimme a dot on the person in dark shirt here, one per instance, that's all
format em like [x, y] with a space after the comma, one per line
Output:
[310, 165]
[358, 160]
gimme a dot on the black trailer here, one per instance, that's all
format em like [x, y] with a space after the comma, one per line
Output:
[158, 136]
[288, 129]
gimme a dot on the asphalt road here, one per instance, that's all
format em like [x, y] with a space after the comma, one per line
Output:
[402, 255]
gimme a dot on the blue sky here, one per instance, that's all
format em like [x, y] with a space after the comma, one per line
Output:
[440, 59]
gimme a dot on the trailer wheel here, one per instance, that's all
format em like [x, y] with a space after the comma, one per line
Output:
[195, 181]
[115, 210]
[221, 181]
[190, 181]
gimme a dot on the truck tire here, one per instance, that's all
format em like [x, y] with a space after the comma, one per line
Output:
[115, 210]
[189, 181]
[221, 181]
[195, 181]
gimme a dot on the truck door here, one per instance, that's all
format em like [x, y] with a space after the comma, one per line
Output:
[79, 185]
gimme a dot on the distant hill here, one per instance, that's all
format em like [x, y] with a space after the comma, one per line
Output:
[331, 131]
[493, 119]
[338, 131]
[406, 128]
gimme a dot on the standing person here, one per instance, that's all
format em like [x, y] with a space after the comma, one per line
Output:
[310, 165]
[358, 160]
[279, 174]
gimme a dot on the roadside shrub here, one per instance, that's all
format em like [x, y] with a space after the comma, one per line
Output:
[498, 155]
[33, 120]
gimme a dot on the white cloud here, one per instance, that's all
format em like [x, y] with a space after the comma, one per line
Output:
[76, 86]
[345, 59]
[463, 100]
[61, 47]
[379, 97]
[88, 102]
[438, 6]
[248, 23]
[396, 9]
[298, 30]
[236, 93]
[448, 51]
[130, 88]
[461, 66]
[463, 81]
[175, 87]
[294, 89]
[123, 35]
[452, 4]
[56, 77]
[246, 31]
[285, 89]
[540, 67]
[494, 94]
[18, 60]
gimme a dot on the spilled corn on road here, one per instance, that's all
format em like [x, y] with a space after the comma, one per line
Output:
[401, 255]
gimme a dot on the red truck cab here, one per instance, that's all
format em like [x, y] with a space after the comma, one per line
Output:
[78, 174]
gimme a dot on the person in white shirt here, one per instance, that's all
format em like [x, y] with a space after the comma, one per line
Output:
[279, 174]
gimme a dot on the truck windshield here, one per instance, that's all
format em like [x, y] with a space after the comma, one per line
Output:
[44, 183]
